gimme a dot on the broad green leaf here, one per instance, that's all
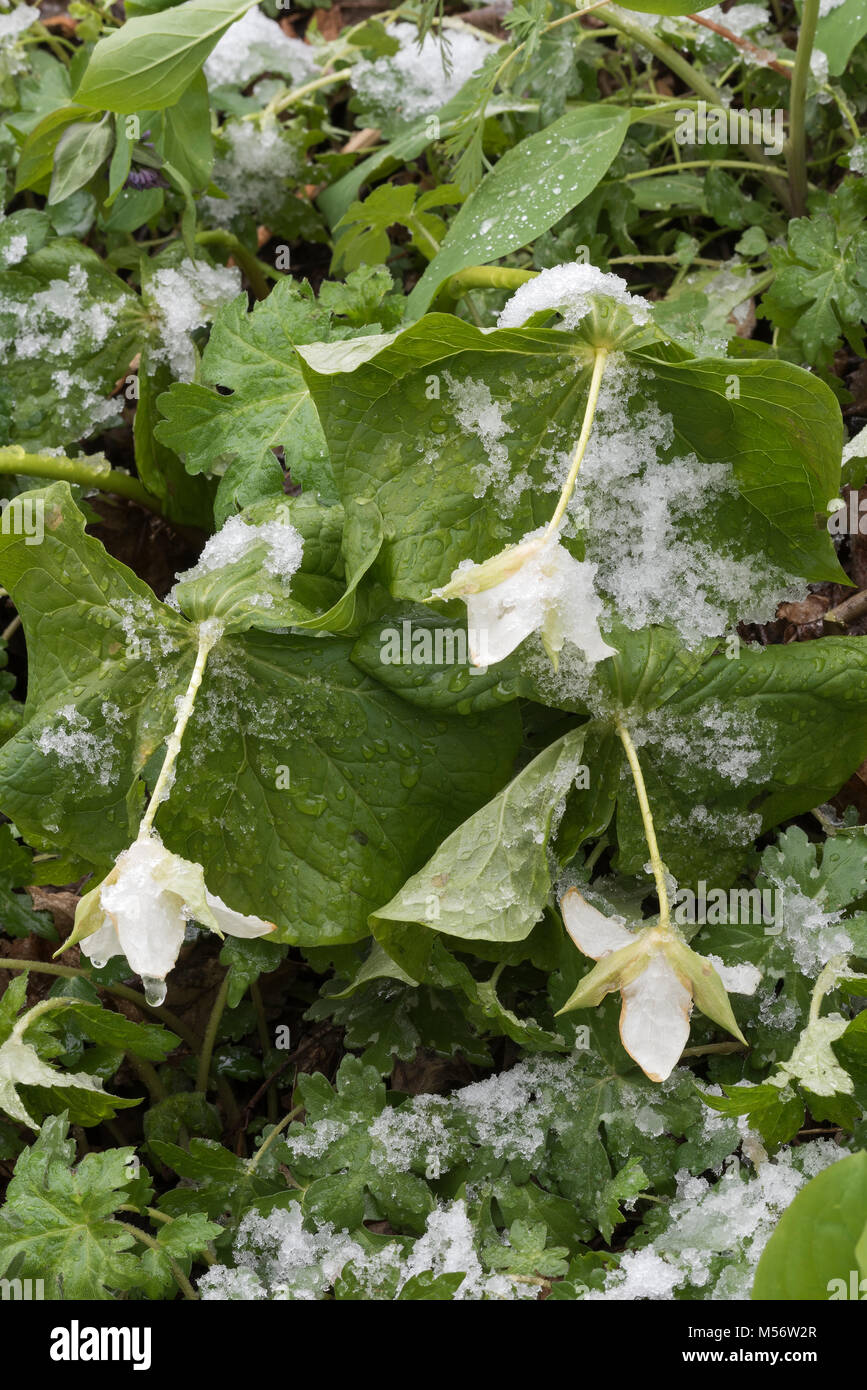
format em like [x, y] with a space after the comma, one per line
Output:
[530, 188]
[769, 734]
[305, 763]
[812, 1253]
[453, 428]
[423, 657]
[57, 1216]
[95, 710]
[148, 62]
[838, 33]
[333, 790]
[491, 878]
[81, 152]
[36, 159]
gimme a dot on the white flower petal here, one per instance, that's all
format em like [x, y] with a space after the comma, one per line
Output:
[149, 919]
[498, 621]
[654, 1021]
[234, 923]
[593, 933]
[102, 945]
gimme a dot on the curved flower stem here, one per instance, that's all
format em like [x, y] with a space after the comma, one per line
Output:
[796, 154]
[647, 820]
[209, 634]
[599, 360]
[210, 1038]
[181, 1279]
[71, 972]
[81, 471]
[269, 1139]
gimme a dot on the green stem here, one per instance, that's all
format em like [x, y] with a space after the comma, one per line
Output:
[600, 357]
[70, 972]
[210, 1037]
[209, 633]
[181, 1279]
[483, 277]
[747, 166]
[796, 152]
[81, 471]
[252, 267]
[647, 821]
[269, 1139]
[147, 1074]
[265, 1044]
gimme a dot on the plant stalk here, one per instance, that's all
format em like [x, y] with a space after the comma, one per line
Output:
[796, 151]
[647, 821]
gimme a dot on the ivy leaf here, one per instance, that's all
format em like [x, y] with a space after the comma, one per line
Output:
[21, 1065]
[252, 353]
[527, 1253]
[776, 1112]
[820, 291]
[57, 1216]
[623, 1187]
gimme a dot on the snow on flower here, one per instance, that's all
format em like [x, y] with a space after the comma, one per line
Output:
[535, 586]
[140, 910]
[659, 979]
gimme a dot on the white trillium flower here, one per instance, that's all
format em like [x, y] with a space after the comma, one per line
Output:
[659, 979]
[140, 910]
[535, 586]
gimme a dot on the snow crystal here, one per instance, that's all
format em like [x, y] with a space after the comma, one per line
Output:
[645, 513]
[716, 1232]
[255, 45]
[278, 1259]
[77, 746]
[412, 81]
[16, 21]
[479, 414]
[252, 172]
[807, 935]
[569, 289]
[737, 979]
[236, 538]
[727, 741]
[15, 250]
[186, 299]
[414, 1134]
[858, 161]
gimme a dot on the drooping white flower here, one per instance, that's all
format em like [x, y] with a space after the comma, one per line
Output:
[140, 910]
[659, 978]
[535, 586]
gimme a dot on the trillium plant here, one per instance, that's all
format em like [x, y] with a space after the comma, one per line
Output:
[433, 706]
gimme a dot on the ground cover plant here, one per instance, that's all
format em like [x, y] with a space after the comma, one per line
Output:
[433, 860]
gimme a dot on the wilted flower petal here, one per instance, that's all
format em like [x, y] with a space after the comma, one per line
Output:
[140, 910]
[536, 586]
[654, 1020]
